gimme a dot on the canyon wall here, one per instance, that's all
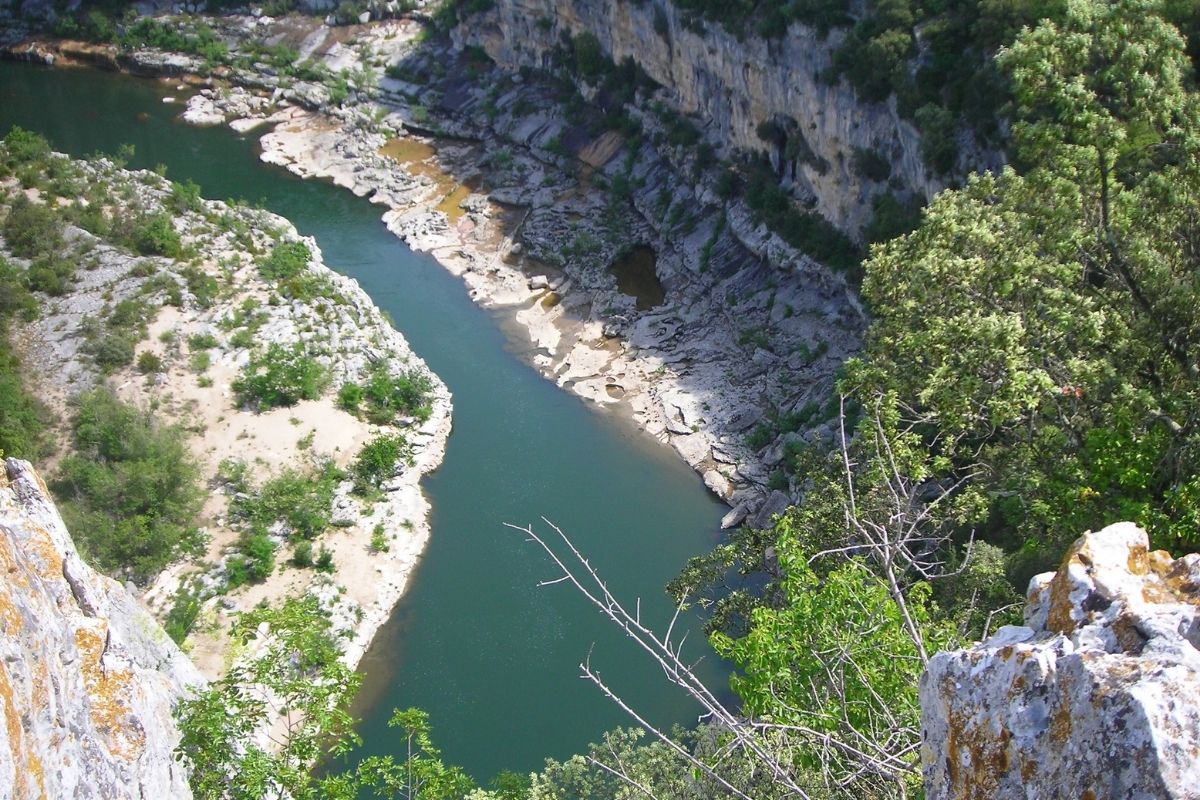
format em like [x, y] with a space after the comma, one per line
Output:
[729, 86]
[88, 679]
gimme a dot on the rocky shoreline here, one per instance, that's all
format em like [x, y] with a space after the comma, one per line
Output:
[732, 363]
[209, 316]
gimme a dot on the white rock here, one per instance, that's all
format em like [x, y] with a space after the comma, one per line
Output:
[1095, 697]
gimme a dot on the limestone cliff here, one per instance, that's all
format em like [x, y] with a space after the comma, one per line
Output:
[730, 86]
[87, 677]
[1094, 698]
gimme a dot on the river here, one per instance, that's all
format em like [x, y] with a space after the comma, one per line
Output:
[492, 657]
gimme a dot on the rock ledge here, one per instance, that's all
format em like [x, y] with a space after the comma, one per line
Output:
[1095, 697]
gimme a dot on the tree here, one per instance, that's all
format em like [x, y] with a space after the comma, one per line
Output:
[257, 732]
[1045, 322]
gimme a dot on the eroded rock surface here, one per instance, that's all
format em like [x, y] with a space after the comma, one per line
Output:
[88, 679]
[1095, 697]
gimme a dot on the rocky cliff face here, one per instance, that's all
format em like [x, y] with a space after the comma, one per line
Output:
[87, 677]
[1095, 697]
[730, 86]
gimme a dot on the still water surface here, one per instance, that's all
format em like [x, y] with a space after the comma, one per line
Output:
[493, 658]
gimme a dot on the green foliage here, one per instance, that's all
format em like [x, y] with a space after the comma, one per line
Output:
[298, 669]
[1045, 324]
[287, 260]
[379, 540]
[32, 230]
[890, 217]
[385, 396]
[148, 361]
[378, 461]
[789, 658]
[182, 616]
[130, 490]
[803, 230]
[22, 418]
[155, 235]
[301, 501]
[280, 377]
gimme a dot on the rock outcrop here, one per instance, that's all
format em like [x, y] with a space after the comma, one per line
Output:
[732, 85]
[1095, 697]
[88, 679]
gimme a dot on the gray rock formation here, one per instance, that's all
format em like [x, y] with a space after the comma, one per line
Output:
[87, 677]
[730, 87]
[1095, 698]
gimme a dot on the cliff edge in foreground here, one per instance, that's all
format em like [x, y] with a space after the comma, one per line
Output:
[1095, 697]
[88, 679]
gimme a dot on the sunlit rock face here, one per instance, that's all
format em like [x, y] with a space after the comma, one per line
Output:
[1097, 696]
[730, 86]
[88, 679]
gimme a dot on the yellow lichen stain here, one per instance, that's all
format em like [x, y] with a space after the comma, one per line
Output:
[1088, 794]
[106, 689]
[49, 560]
[16, 737]
[986, 757]
[1139, 560]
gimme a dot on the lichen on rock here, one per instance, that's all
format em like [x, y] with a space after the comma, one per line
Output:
[88, 679]
[1095, 697]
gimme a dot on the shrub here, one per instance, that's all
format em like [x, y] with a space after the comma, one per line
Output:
[130, 492]
[349, 396]
[379, 542]
[378, 461]
[287, 260]
[32, 230]
[302, 501]
[148, 362]
[324, 562]
[302, 555]
[183, 614]
[280, 377]
[154, 235]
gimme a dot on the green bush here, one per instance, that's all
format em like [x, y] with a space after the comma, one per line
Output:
[324, 562]
[280, 377]
[130, 491]
[22, 418]
[302, 501]
[148, 362]
[32, 230]
[378, 460]
[385, 395]
[154, 235]
[302, 554]
[287, 260]
[349, 397]
[183, 614]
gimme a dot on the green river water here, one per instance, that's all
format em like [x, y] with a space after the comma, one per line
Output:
[475, 642]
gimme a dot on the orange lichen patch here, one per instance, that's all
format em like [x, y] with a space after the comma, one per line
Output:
[1128, 636]
[1060, 725]
[16, 738]
[47, 558]
[107, 689]
[1058, 613]
[1139, 560]
[985, 755]
[1088, 794]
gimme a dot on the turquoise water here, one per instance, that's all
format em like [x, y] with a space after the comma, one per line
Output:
[493, 658]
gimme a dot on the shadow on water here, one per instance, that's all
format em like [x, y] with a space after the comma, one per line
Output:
[475, 642]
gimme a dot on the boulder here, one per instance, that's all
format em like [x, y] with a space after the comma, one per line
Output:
[1094, 697]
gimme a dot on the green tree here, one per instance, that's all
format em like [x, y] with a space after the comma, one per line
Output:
[297, 682]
